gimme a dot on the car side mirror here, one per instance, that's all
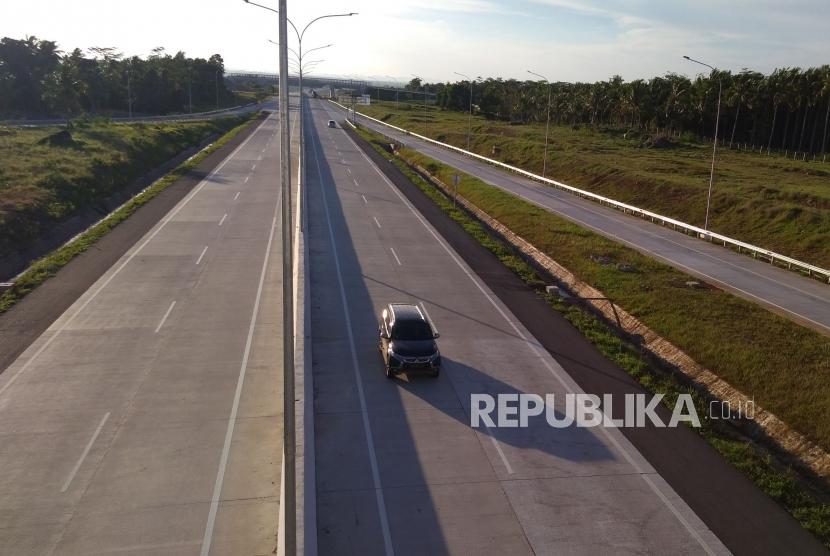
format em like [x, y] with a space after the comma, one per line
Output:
[436, 335]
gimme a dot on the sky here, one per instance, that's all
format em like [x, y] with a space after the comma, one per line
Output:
[564, 40]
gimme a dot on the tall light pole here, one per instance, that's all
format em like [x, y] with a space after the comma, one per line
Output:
[470, 126]
[216, 82]
[397, 89]
[714, 143]
[426, 129]
[547, 125]
[289, 441]
[300, 35]
[129, 96]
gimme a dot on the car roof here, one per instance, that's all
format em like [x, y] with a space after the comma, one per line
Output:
[406, 311]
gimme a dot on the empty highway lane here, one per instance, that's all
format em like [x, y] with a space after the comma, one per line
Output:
[147, 418]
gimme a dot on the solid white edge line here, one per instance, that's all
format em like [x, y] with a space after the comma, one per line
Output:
[199, 260]
[129, 258]
[429, 318]
[85, 453]
[364, 411]
[539, 351]
[243, 367]
[164, 318]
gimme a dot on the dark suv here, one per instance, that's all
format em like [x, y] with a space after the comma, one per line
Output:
[407, 341]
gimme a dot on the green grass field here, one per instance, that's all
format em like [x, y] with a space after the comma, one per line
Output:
[779, 204]
[43, 184]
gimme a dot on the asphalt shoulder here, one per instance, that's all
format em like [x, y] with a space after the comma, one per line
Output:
[743, 517]
[29, 318]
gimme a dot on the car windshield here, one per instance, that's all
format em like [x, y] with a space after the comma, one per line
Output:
[411, 330]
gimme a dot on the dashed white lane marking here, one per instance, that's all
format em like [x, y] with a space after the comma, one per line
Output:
[376, 221]
[247, 178]
[235, 197]
[223, 219]
[348, 171]
[199, 260]
[395, 255]
[355, 182]
[253, 167]
[85, 453]
[164, 318]
[364, 198]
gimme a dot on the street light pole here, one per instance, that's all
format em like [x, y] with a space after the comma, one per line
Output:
[547, 125]
[426, 129]
[397, 89]
[216, 82]
[714, 143]
[470, 126]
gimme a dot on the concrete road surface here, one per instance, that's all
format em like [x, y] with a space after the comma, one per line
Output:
[147, 418]
[802, 299]
[399, 469]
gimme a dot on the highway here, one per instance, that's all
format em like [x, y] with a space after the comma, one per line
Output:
[147, 419]
[800, 298]
[399, 469]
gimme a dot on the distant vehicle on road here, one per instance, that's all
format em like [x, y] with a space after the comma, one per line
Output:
[332, 123]
[407, 341]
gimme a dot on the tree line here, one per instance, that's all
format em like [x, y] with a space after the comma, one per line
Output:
[38, 80]
[788, 109]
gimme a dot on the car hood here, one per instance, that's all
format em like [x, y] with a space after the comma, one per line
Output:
[414, 348]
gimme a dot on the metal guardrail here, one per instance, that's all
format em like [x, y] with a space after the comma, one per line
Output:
[771, 256]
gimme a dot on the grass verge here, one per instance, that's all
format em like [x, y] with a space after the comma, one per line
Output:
[780, 483]
[48, 266]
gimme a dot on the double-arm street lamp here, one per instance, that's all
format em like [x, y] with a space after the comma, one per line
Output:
[714, 143]
[300, 35]
[470, 125]
[547, 125]
[289, 461]
[397, 88]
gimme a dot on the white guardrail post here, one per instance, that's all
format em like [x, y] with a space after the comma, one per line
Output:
[771, 256]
